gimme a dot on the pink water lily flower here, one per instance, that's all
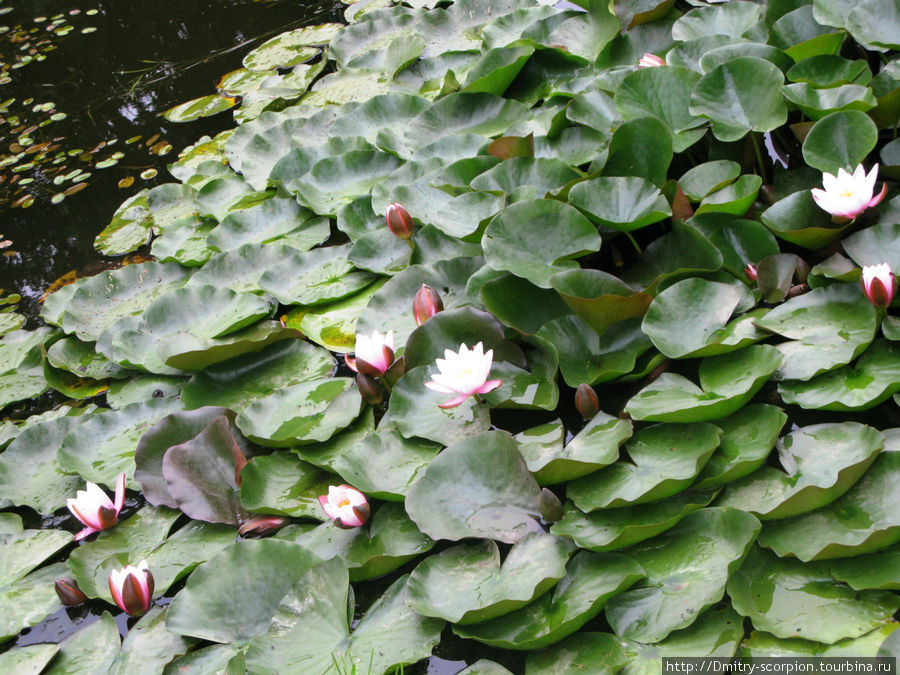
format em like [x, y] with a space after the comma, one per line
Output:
[374, 354]
[463, 373]
[848, 194]
[132, 588]
[345, 505]
[649, 60]
[879, 284]
[95, 509]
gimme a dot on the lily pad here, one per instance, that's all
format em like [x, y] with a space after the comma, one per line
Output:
[840, 140]
[708, 177]
[149, 645]
[874, 245]
[196, 108]
[665, 458]
[727, 382]
[92, 648]
[600, 652]
[873, 571]
[789, 598]
[79, 358]
[274, 220]
[599, 298]
[467, 584]
[623, 203]
[281, 484]
[480, 487]
[315, 277]
[333, 326]
[591, 580]
[810, 477]
[687, 568]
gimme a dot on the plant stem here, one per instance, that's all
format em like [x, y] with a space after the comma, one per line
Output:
[634, 243]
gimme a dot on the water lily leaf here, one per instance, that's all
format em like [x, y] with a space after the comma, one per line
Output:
[28, 660]
[735, 198]
[799, 220]
[518, 303]
[283, 51]
[238, 382]
[830, 326]
[380, 252]
[24, 550]
[687, 568]
[829, 70]
[682, 251]
[281, 484]
[130, 228]
[240, 269]
[205, 106]
[480, 587]
[28, 601]
[739, 241]
[274, 220]
[389, 634]
[739, 96]
[734, 19]
[456, 216]
[543, 174]
[378, 113]
[665, 458]
[623, 203]
[30, 474]
[874, 245]
[132, 539]
[382, 464]
[90, 649]
[223, 194]
[873, 571]
[496, 68]
[816, 103]
[874, 643]
[333, 326]
[303, 413]
[690, 316]
[190, 352]
[79, 358]
[149, 645]
[640, 147]
[708, 177]
[663, 93]
[591, 580]
[142, 387]
[98, 302]
[459, 496]
[595, 446]
[598, 651]
[727, 382]
[185, 242]
[103, 446]
[22, 373]
[874, 23]
[182, 551]
[324, 275]
[789, 598]
[215, 658]
[747, 438]
[719, 55]
[862, 520]
[809, 479]
[614, 529]
[233, 596]
[839, 140]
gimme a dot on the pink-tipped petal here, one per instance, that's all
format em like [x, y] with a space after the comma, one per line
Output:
[490, 385]
[453, 402]
[85, 533]
[351, 363]
[877, 198]
[85, 517]
[120, 493]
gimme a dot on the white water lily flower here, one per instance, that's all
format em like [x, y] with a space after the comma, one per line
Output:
[463, 373]
[95, 509]
[374, 354]
[848, 194]
[345, 505]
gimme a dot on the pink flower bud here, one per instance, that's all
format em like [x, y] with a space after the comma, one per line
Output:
[750, 271]
[132, 588]
[345, 505]
[370, 389]
[260, 526]
[649, 60]
[69, 593]
[399, 221]
[879, 284]
[586, 401]
[426, 304]
[374, 354]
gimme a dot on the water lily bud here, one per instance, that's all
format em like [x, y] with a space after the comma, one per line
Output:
[374, 354]
[261, 526]
[463, 373]
[69, 593]
[750, 271]
[649, 60]
[132, 588]
[345, 505]
[399, 221]
[426, 304]
[370, 389]
[94, 509]
[879, 284]
[586, 401]
[551, 507]
[801, 270]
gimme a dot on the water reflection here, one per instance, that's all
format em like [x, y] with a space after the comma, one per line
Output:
[111, 84]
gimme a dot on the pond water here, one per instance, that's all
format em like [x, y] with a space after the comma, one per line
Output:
[111, 67]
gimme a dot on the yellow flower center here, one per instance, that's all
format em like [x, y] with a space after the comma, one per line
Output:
[344, 503]
[847, 192]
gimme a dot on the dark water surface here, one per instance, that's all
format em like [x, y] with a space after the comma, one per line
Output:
[112, 82]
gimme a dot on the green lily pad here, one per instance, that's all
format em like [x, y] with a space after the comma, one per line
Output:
[747, 438]
[739, 96]
[185, 242]
[873, 571]
[599, 298]
[28, 660]
[302, 413]
[727, 382]
[840, 140]
[333, 326]
[29, 600]
[864, 519]
[683, 251]
[79, 358]
[810, 478]
[518, 303]
[687, 568]
[614, 529]
[274, 220]
[663, 93]
[149, 645]
[389, 540]
[874, 23]
[873, 378]
[665, 458]
[282, 51]
[735, 198]
[816, 103]
[789, 598]
[542, 174]
[389, 634]
[874, 245]
[280, 483]
[874, 643]
[599, 652]
[640, 147]
[516, 239]
[90, 649]
[240, 381]
[182, 551]
[22, 374]
[314, 277]
[623, 203]
[190, 352]
[734, 19]
[480, 588]
[240, 269]
[591, 580]
[479, 486]
[142, 387]
[262, 570]
[708, 177]
[130, 228]
[205, 106]
[595, 446]
[829, 70]
[799, 220]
